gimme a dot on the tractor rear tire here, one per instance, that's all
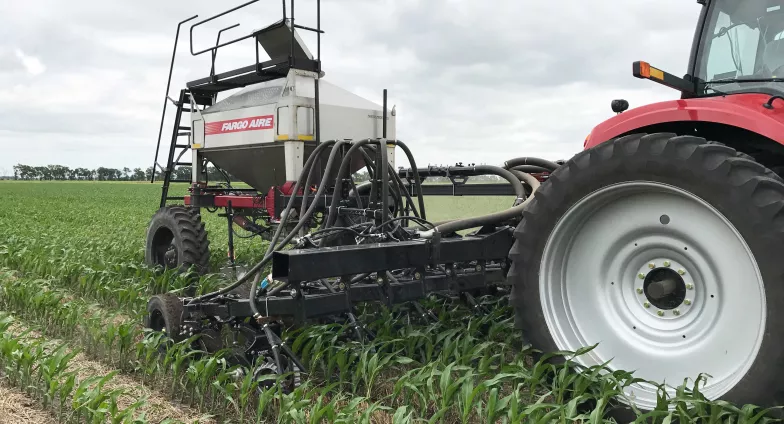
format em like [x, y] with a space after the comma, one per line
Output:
[665, 251]
[176, 238]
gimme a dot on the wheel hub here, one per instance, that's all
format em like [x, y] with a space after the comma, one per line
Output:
[664, 288]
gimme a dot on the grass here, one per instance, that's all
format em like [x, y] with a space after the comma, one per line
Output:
[71, 267]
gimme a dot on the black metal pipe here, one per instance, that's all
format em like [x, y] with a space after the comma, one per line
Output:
[291, 54]
[215, 52]
[216, 17]
[318, 33]
[166, 96]
[230, 219]
[384, 117]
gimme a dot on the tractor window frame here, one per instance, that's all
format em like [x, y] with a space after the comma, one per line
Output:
[703, 53]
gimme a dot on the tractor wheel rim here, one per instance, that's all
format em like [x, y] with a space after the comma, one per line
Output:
[621, 248]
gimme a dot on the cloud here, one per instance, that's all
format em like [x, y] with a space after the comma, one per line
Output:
[31, 64]
[472, 81]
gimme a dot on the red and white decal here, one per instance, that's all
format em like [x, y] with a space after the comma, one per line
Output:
[253, 123]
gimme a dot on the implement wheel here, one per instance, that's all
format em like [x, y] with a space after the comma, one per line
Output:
[664, 250]
[176, 238]
[164, 313]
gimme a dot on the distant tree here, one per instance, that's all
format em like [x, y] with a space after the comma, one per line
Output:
[138, 174]
[182, 173]
[148, 174]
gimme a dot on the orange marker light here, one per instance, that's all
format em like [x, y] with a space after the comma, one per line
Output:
[645, 69]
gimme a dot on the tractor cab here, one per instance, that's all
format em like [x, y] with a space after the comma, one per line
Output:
[740, 48]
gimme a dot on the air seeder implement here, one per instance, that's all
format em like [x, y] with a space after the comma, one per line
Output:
[659, 241]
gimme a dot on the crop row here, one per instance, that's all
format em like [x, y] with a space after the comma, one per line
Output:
[460, 369]
[43, 369]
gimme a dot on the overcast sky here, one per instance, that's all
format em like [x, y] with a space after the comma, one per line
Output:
[81, 82]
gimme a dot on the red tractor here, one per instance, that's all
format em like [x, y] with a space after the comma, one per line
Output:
[660, 241]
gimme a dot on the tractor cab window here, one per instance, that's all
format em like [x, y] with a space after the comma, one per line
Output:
[742, 48]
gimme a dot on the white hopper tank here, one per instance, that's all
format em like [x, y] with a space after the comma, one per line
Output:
[263, 133]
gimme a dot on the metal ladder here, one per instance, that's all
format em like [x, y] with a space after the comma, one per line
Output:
[173, 161]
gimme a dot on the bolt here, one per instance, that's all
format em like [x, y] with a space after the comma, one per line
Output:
[676, 312]
[651, 265]
[641, 276]
[687, 302]
[690, 286]
[294, 293]
[479, 268]
[380, 281]
[660, 313]
[639, 291]
[646, 304]
[667, 264]
[342, 286]
[417, 275]
[681, 272]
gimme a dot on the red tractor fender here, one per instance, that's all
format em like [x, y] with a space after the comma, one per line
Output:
[739, 110]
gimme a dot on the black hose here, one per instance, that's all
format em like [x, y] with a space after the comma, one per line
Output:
[268, 256]
[517, 186]
[344, 165]
[307, 181]
[511, 163]
[332, 155]
[402, 187]
[531, 169]
[513, 212]
[417, 180]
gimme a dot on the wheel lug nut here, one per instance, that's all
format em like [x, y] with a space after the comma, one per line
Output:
[651, 265]
[660, 313]
[646, 304]
[641, 276]
[687, 302]
[690, 286]
[681, 272]
[639, 291]
[667, 264]
[676, 312]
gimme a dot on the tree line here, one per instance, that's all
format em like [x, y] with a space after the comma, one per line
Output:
[64, 173]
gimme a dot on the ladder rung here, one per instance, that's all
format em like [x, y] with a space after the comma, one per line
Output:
[182, 145]
[176, 198]
[183, 163]
[187, 109]
[181, 128]
[179, 181]
[182, 134]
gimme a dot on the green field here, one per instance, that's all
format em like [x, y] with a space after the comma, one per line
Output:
[74, 289]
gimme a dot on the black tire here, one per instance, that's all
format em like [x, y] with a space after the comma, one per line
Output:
[176, 238]
[164, 313]
[749, 195]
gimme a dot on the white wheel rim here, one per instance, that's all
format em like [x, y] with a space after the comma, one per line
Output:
[591, 272]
